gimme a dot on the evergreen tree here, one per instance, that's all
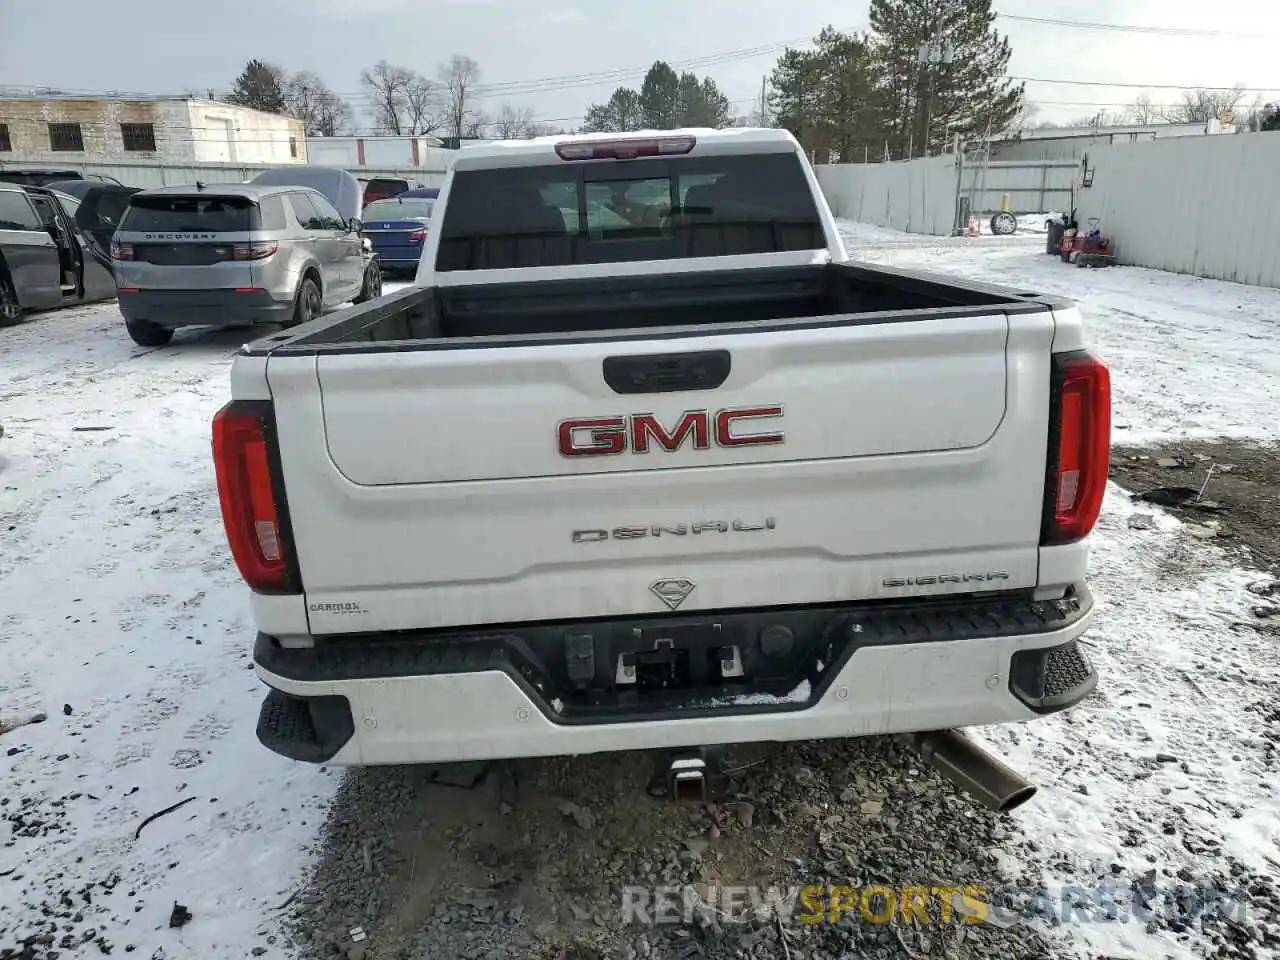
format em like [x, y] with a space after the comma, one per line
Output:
[699, 103]
[929, 103]
[665, 101]
[261, 86]
[660, 98]
[829, 98]
[619, 114]
[795, 94]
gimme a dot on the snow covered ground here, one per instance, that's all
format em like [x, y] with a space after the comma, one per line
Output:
[1167, 767]
[124, 624]
[118, 600]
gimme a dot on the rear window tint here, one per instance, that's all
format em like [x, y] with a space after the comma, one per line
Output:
[271, 214]
[189, 214]
[399, 209]
[611, 212]
[16, 212]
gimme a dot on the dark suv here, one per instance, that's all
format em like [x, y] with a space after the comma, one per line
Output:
[40, 178]
[383, 188]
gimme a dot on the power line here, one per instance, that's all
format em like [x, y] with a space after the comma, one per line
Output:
[1127, 27]
[509, 88]
[1143, 86]
[552, 84]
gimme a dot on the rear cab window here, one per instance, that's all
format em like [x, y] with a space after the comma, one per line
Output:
[660, 208]
[197, 213]
[413, 208]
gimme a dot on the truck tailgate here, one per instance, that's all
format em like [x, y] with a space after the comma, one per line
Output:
[441, 487]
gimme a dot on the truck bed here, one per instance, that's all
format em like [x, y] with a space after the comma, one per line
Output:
[620, 308]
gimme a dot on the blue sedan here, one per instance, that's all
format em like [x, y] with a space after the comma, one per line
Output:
[397, 228]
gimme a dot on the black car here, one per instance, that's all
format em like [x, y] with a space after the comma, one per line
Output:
[55, 246]
[41, 178]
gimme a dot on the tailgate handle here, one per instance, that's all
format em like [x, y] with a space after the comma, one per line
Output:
[667, 372]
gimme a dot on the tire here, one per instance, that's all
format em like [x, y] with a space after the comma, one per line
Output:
[147, 334]
[307, 305]
[371, 288]
[1004, 224]
[10, 308]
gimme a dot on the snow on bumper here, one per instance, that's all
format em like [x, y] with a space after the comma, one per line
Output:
[855, 671]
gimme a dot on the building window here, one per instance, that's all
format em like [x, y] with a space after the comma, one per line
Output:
[138, 137]
[293, 147]
[66, 137]
[6, 145]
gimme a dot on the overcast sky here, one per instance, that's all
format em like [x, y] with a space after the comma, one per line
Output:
[168, 46]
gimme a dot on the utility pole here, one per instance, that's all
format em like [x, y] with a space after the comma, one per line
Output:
[763, 104]
[933, 53]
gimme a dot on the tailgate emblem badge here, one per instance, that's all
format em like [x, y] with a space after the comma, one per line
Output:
[672, 592]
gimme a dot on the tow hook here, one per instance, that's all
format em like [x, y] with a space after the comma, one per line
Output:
[686, 776]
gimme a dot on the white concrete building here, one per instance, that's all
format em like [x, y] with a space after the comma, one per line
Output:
[66, 130]
[389, 151]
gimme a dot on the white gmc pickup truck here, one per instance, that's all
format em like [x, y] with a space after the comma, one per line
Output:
[643, 461]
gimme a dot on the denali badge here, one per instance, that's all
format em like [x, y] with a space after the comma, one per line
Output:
[636, 531]
[672, 592]
[606, 436]
[936, 578]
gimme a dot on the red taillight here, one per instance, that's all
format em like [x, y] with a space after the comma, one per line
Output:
[121, 251]
[254, 251]
[1080, 446]
[624, 149]
[418, 235]
[251, 497]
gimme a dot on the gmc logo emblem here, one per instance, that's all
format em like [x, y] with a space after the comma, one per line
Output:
[608, 436]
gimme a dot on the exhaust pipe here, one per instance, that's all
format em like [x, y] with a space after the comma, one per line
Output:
[972, 769]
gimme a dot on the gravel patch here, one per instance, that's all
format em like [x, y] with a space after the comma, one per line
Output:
[534, 861]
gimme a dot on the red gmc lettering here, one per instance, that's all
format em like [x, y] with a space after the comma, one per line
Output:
[725, 420]
[609, 436]
[646, 425]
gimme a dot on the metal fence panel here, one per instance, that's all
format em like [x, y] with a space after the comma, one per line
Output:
[916, 196]
[922, 196]
[1196, 205]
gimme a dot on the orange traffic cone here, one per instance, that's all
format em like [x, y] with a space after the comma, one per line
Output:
[973, 230]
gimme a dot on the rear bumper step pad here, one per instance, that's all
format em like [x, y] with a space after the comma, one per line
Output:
[786, 661]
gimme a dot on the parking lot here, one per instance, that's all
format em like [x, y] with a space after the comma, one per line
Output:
[126, 690]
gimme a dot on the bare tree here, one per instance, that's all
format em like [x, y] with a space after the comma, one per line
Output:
[388, 89]
[1098, 120]
[1249, 119]
[422, 106]
[1024, 119]
[1202, 105]
[513, 123]
[459, 79]
[474, 127]
[1142, 111]
[334, 116]
[323, 113]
